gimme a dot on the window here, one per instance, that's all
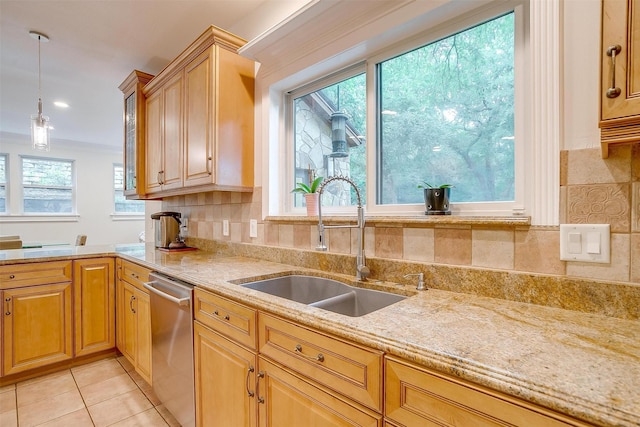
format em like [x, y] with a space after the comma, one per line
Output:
[445, 107]
[329, 127]
[122, 205]
[3, 183]
[446, 116]
[47, 185]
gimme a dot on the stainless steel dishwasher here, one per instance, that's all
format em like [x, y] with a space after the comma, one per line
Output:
[172, 346]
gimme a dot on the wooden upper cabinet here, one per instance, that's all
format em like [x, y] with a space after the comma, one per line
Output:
[134, 133]
[200, 131]
[620, 83]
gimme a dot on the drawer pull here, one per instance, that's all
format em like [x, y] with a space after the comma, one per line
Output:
[246, 383]
[8, 312]
[318, 358]
[226, 317]
[260, 375]
[13, 276]
[133, 310]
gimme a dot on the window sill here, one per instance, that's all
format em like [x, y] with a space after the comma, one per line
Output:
[415, 221]
[127, 217]
[40, 218]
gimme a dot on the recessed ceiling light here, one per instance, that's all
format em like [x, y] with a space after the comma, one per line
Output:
[61, 104]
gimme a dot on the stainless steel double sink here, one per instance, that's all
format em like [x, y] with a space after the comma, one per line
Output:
[327, 294]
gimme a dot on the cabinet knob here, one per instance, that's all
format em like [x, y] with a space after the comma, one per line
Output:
[13, 276]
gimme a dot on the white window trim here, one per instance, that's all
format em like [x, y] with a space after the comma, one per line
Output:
[74, 190]
[543, 31]
[7, 172]
[121, 216]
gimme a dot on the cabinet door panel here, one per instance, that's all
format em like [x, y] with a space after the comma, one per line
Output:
[290, 400]
[143, 335]
[199, 115]
[153, 142]
[37, 328]
[225, 374]
[94, 293]
[172, 117]
[130, 325]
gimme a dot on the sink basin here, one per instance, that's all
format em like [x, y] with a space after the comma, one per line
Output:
[358, 302]
[304, 289]
[325, 293]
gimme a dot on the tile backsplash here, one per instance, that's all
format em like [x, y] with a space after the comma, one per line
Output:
[592, 190]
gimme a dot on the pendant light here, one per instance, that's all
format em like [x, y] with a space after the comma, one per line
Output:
[39, 124]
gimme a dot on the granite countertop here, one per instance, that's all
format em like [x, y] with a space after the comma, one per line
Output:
[583, 365]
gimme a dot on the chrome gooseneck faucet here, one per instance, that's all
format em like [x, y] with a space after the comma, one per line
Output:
[362, 271]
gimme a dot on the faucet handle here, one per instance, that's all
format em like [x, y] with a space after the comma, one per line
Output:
[364, 272]
[421, 286]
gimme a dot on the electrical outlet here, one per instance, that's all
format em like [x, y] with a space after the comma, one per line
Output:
[225, 227]
[585, 242]
[253, 228]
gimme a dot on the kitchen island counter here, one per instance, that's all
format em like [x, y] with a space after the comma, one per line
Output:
[583, 365]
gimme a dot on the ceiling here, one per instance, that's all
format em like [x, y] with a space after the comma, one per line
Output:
[94, 45]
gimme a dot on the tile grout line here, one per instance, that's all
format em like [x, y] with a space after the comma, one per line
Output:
[82, 397]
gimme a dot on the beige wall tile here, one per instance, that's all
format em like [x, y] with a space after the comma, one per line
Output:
[492, 248]
[635, 258]
[236, 197]
[453, 246]
[564, 165]
[563, 205]
[271, 234]
[600, 204]
[217, 230]
[617, 270]
[389, 242]
[418, 244]
[588, 167]
[340, 240]
[635, 162]
[301, 236]
[205, 230]
[635, 206]
[538, 251]
[235, 231]
[370, 241]
[285, 235]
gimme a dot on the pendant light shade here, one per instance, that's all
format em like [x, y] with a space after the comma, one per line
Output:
[40, 126]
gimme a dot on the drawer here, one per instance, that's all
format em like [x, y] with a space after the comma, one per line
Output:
[346, 368]
[135, 274]
[41, 273]
[231, 319]
[416, 396]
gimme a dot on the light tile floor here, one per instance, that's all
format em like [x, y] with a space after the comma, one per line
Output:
[104, 393]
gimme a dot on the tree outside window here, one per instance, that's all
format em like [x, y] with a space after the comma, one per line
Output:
[121, 204]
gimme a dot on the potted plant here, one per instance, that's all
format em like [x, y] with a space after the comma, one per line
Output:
[436, 198]
[310, 194]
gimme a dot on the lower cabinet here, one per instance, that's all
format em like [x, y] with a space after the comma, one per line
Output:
[37, 326]
[94, 301]
[225, 381]
[134, 317]
[288, 399]
[416, 396]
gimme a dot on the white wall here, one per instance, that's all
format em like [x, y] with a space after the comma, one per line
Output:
[94, 196]
[581, 74]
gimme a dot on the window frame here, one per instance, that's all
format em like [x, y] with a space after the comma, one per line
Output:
[117, 213]
[6, 185]
[477, 17]
[73, 187]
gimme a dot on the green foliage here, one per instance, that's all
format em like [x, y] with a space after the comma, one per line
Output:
[301, 187]
[427, 185]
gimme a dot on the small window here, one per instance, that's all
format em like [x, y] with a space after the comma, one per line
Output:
[3, 183]
[329, 127]
[122, 205]
[47, 186]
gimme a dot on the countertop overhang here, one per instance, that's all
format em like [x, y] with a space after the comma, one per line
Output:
[583, 365]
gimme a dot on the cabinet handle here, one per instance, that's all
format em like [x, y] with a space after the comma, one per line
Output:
[13, 276]
[209, 162]
[246, 383]
[260, 375]
[612, 51]
[318, 358]
[226, 317]
[133, 310]
[8, 311]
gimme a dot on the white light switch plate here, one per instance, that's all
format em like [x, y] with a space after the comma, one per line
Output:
[225, 227]
[253, 228]
[585, 242]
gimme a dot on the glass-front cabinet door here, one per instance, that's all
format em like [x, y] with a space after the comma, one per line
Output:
[134, 114]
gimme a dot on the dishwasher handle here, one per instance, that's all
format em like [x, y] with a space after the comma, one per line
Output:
[180, 301]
